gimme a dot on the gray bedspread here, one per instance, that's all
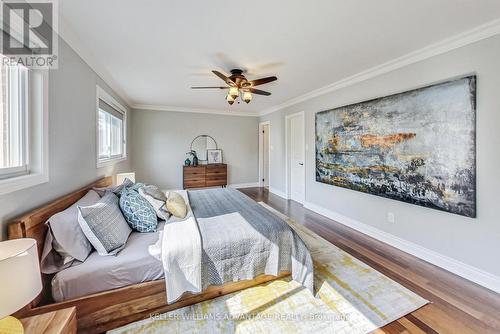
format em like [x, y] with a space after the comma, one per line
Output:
[261, 244]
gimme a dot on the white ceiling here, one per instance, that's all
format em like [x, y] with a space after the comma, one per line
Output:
[154, 51]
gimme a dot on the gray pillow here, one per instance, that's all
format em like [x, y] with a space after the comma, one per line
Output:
[104, 225]
[115, 189]
[157, 199]
[65, 240]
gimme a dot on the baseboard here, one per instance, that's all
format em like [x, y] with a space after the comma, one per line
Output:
[461, 269]
[277, 192]
[243, 185]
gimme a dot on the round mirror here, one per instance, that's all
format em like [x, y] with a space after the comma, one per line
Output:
[201, 144]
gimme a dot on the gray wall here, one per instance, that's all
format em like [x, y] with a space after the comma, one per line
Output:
[160, 140]
[472, 241]
[72, 136]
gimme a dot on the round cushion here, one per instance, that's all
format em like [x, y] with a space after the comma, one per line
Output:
[176, 205]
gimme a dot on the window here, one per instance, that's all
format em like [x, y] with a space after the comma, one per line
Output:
[23, 127]
[110, 130]
[13, 121]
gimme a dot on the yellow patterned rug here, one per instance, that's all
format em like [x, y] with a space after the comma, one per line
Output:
[350, 297]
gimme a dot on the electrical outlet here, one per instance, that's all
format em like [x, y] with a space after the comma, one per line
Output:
[390, 217]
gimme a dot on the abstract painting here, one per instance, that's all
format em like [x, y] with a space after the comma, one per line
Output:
[417, 146]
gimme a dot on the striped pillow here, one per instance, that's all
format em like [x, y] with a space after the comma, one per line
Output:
[103, 225]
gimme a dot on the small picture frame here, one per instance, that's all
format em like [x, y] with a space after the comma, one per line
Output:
[214, 156]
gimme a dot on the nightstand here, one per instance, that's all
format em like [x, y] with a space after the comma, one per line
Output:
[56, 322]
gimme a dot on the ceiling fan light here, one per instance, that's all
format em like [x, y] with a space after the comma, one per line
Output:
[247, 97]
[229, 99]
[234, 92]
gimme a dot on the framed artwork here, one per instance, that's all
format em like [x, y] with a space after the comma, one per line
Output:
[214, 156]
[417, 147]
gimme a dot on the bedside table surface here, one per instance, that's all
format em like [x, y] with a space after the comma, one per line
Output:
[57, 322]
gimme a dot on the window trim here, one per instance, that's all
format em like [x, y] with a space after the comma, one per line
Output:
[10, 172]
[101, 94]
[38, 122]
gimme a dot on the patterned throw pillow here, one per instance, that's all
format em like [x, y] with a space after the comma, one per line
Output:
[140, 215]
[103, 225]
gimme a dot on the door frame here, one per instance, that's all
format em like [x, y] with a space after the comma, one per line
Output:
[287, 153]
[261, 153]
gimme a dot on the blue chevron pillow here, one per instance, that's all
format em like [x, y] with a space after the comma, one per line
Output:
[140, 215]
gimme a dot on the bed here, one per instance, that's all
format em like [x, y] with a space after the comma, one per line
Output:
[132, 284]
[133, 265]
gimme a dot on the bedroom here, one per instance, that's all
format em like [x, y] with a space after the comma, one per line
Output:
[330, 192]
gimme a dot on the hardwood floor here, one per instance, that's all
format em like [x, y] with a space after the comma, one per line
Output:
[457, 305]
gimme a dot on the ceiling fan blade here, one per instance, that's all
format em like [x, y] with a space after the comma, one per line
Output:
[226, 79]
[259, 92]
[262, 81]
[207, 87]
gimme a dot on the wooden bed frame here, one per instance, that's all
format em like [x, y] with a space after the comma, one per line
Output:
[106, 310]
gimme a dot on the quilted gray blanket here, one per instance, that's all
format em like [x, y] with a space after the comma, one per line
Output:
[238, 249]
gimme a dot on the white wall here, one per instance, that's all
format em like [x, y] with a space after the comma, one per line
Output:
[72, 137]
[160, 140]
[473, 242]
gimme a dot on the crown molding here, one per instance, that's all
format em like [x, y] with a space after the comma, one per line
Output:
[479, 33]
[72, 39]
[156, 107]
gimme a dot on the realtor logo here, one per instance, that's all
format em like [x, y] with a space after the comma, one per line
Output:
[29, 33]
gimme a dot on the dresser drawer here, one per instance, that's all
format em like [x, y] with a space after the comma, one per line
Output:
[215, 182]
[194, 179]
[195, 183]
[216, 177]
[216, 169]
[194, 171]
[216, 172]
[194, 176]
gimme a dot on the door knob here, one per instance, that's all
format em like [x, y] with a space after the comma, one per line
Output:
[301, 163]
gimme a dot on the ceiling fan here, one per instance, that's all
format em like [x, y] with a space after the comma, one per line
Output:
[238, 85]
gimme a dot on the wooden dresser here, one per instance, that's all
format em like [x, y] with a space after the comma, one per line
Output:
[205, 176]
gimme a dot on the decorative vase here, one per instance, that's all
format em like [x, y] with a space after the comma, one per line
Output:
[187, 162]
[195, 161]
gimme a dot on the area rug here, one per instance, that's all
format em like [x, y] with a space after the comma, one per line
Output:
[350, 297]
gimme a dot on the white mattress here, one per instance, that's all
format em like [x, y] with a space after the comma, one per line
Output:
[134, 264]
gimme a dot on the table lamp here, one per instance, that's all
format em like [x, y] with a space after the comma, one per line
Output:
[122, 176]
[20, 280]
